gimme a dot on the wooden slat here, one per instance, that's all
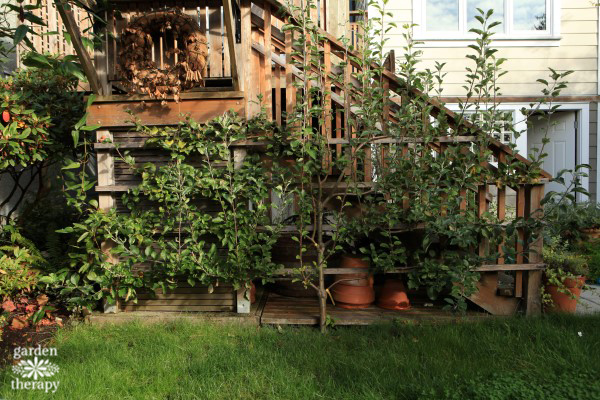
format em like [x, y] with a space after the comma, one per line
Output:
[267, 63]
[71, 25]
[184, 302]
[230, 39]
[290, 91]
[116, 114]
[215, 40]
[178, 308]
[520, 240]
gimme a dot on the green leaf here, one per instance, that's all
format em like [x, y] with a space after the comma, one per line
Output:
[20, 33]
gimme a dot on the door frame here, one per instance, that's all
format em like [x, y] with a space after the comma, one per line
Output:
[582, 145]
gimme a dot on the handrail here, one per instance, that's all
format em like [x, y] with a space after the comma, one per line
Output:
[397, 84]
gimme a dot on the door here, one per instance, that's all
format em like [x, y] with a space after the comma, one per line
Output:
[561, 131]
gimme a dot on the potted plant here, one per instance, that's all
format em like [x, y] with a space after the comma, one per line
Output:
[564, 277]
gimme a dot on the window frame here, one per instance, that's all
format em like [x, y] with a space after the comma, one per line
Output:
[509, 34]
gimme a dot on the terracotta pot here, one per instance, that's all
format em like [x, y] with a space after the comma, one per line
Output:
[354, 279]
[353, 297]
[562, 302]
[393, 296]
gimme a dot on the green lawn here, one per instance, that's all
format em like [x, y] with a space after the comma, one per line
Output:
[502, 358]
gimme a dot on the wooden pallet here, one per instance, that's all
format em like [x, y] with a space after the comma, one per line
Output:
[305, 311]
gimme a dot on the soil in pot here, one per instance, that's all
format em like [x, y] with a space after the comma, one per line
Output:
[562, 302]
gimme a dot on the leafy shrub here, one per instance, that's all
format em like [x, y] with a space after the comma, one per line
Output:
[18, 259]
[558, 258]
[15, 274]
[566, 219]
[592, 250]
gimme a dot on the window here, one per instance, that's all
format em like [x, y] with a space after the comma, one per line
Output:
[520, 19]
[503, 124]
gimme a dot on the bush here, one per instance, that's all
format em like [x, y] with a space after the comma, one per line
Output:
[18, 258]
[558, 258]
[566, 219]
[592, 250]
[15, 274]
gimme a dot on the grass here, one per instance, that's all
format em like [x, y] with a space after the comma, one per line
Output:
[495, 359]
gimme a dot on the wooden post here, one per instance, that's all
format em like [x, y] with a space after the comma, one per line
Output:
[243, 294]
[268, 69]
[86, 62]
[229, 27]
[290, 90]
[336, 20]
[106, 200]
[246, 50]
[520, 241]
[534, 278]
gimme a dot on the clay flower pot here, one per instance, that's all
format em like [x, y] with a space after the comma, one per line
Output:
[393, 296]
[562, 302]
[359, 279]
[353, 297]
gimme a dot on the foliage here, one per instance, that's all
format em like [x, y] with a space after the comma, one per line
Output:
[421, 208]
[19, 260]
[567, 219]
[41, 107]
[558, 257]
[562, 265]
[591, 249]
[179, 237]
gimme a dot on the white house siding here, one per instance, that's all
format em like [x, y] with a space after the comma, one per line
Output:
[576, 50]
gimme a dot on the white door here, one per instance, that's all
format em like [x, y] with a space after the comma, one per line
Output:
[561, 132]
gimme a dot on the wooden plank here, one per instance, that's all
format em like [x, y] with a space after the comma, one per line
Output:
[246, 46]
[178, 308]
[215, 40]
[203, 28]
[267, 61]
[230, 32]
[66, 14]
[184, 302]
[534, 278]
[278, 109]
[188, 296]
[201, 95]
[520, 241]
[290, 90]
[116, 114]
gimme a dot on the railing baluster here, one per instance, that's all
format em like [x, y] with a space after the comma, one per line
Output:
[267, 41]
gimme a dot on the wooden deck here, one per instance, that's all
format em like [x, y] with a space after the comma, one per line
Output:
[305, 311]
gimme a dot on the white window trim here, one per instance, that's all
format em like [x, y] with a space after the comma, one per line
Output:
[550, 37]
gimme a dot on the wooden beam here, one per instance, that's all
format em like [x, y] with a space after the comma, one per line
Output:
[88, 66]
[229, 26]
[268, 101]
[115, 114]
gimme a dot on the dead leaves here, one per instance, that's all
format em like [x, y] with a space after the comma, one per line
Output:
[135, 55]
